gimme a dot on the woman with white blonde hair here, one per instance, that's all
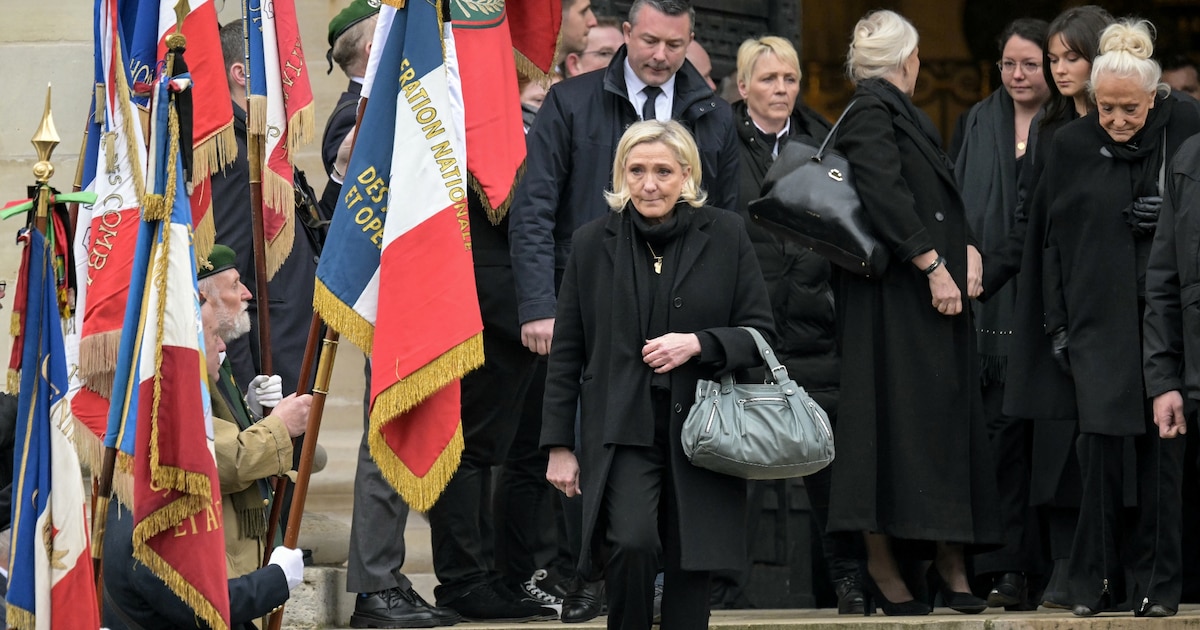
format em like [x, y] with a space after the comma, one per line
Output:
[913, 471]
[1101, 192]
[651, 300]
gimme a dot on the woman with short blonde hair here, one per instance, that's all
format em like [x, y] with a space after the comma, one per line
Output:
[676, 138]
[652, 299]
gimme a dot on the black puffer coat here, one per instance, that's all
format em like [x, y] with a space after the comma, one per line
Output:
[798, 280]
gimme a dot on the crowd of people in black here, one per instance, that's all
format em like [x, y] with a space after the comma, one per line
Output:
[1002, 393]
[1009, 396]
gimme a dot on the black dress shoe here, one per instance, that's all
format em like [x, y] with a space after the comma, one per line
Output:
[485, 603]
[398, 608]
[849, 595]
[1009, 589]
[965, 603]
[1149, 609]
[584, 603]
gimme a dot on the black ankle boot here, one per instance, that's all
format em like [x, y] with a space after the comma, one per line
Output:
[849, 595]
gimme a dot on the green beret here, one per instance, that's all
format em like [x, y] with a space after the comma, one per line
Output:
[219, 259]
[358, 11]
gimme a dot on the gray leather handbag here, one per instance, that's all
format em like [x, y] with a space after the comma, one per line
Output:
[771, 430]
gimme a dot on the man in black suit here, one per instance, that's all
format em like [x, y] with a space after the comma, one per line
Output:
[350, 34]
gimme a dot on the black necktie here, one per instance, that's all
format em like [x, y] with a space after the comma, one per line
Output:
[651, 93]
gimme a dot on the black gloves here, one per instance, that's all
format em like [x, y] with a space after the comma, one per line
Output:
[1142, 215]
[1058, 345]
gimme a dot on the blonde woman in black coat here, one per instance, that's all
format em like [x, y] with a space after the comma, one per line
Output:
[651, 301]
[913, 471]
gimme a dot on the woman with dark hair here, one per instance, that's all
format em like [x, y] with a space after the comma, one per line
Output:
[913, 472]
[652, 299]
[1101, 193]
[992, 154]
[1034, 386]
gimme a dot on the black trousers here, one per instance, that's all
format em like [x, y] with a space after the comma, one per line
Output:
[1152, 538]
[460, 523]
[523, 502]
[1011, 441]
[640, 517]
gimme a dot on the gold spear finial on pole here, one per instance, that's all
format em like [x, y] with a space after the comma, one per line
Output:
[44, 140]
[182, 9]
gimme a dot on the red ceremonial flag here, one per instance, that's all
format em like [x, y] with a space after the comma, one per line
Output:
[213, 143]
[534, 25]
[160, 417]
[495, 135]
[281, 101]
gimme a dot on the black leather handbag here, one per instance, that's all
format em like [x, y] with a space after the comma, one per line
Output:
[808, 196]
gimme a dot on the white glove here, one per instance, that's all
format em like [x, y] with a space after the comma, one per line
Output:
[292, 563]
[264, 391]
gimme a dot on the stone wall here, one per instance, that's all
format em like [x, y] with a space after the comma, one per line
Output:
[51, 42]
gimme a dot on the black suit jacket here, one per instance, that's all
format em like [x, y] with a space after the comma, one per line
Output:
[571, 148]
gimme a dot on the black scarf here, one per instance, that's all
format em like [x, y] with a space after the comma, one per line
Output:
[1144, 151]
[641, 299]
[987, 176]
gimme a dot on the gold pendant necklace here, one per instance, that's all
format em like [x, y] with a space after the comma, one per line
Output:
[1020, 144]
[657, 259]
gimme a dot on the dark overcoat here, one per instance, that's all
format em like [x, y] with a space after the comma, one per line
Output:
[290, 291]
[1092, 267]
[798, 279]
[569, 165]
[718, 287]
[913, 459]
[1171, 343]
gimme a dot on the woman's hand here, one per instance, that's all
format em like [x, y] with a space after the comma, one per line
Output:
[947, 299]
[670, 351]
[563, 471]
[974, 272]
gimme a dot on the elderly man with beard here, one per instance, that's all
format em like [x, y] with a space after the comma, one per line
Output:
[248, 452]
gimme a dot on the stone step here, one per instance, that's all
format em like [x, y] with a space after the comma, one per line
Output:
[321, 602]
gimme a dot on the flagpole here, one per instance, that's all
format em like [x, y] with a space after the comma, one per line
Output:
[255, 148]
[320, 391]
[302, 387]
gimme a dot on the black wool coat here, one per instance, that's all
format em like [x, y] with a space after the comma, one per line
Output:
[798, 280]
[1091, 269]
[1171, 340]
[912, 457]
[569, 166]
[290, 291]
[717, 288]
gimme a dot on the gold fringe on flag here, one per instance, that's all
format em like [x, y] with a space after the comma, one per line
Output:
[530, 70]
[212, 154]
[399, 4]
[278, 193]
[122, 481]
[88, 446]
[343, 318]
[301, 128]
[155, 208]
[13, 382]
[496, 215]
[280, 247]
[98, 359]
[205, 235]
[14, 325]
[165, 519]
[20, 618]
[421, 492]
[256, 118]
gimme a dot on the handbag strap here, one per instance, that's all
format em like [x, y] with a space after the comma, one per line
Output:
[832, 132]
[776, 368]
